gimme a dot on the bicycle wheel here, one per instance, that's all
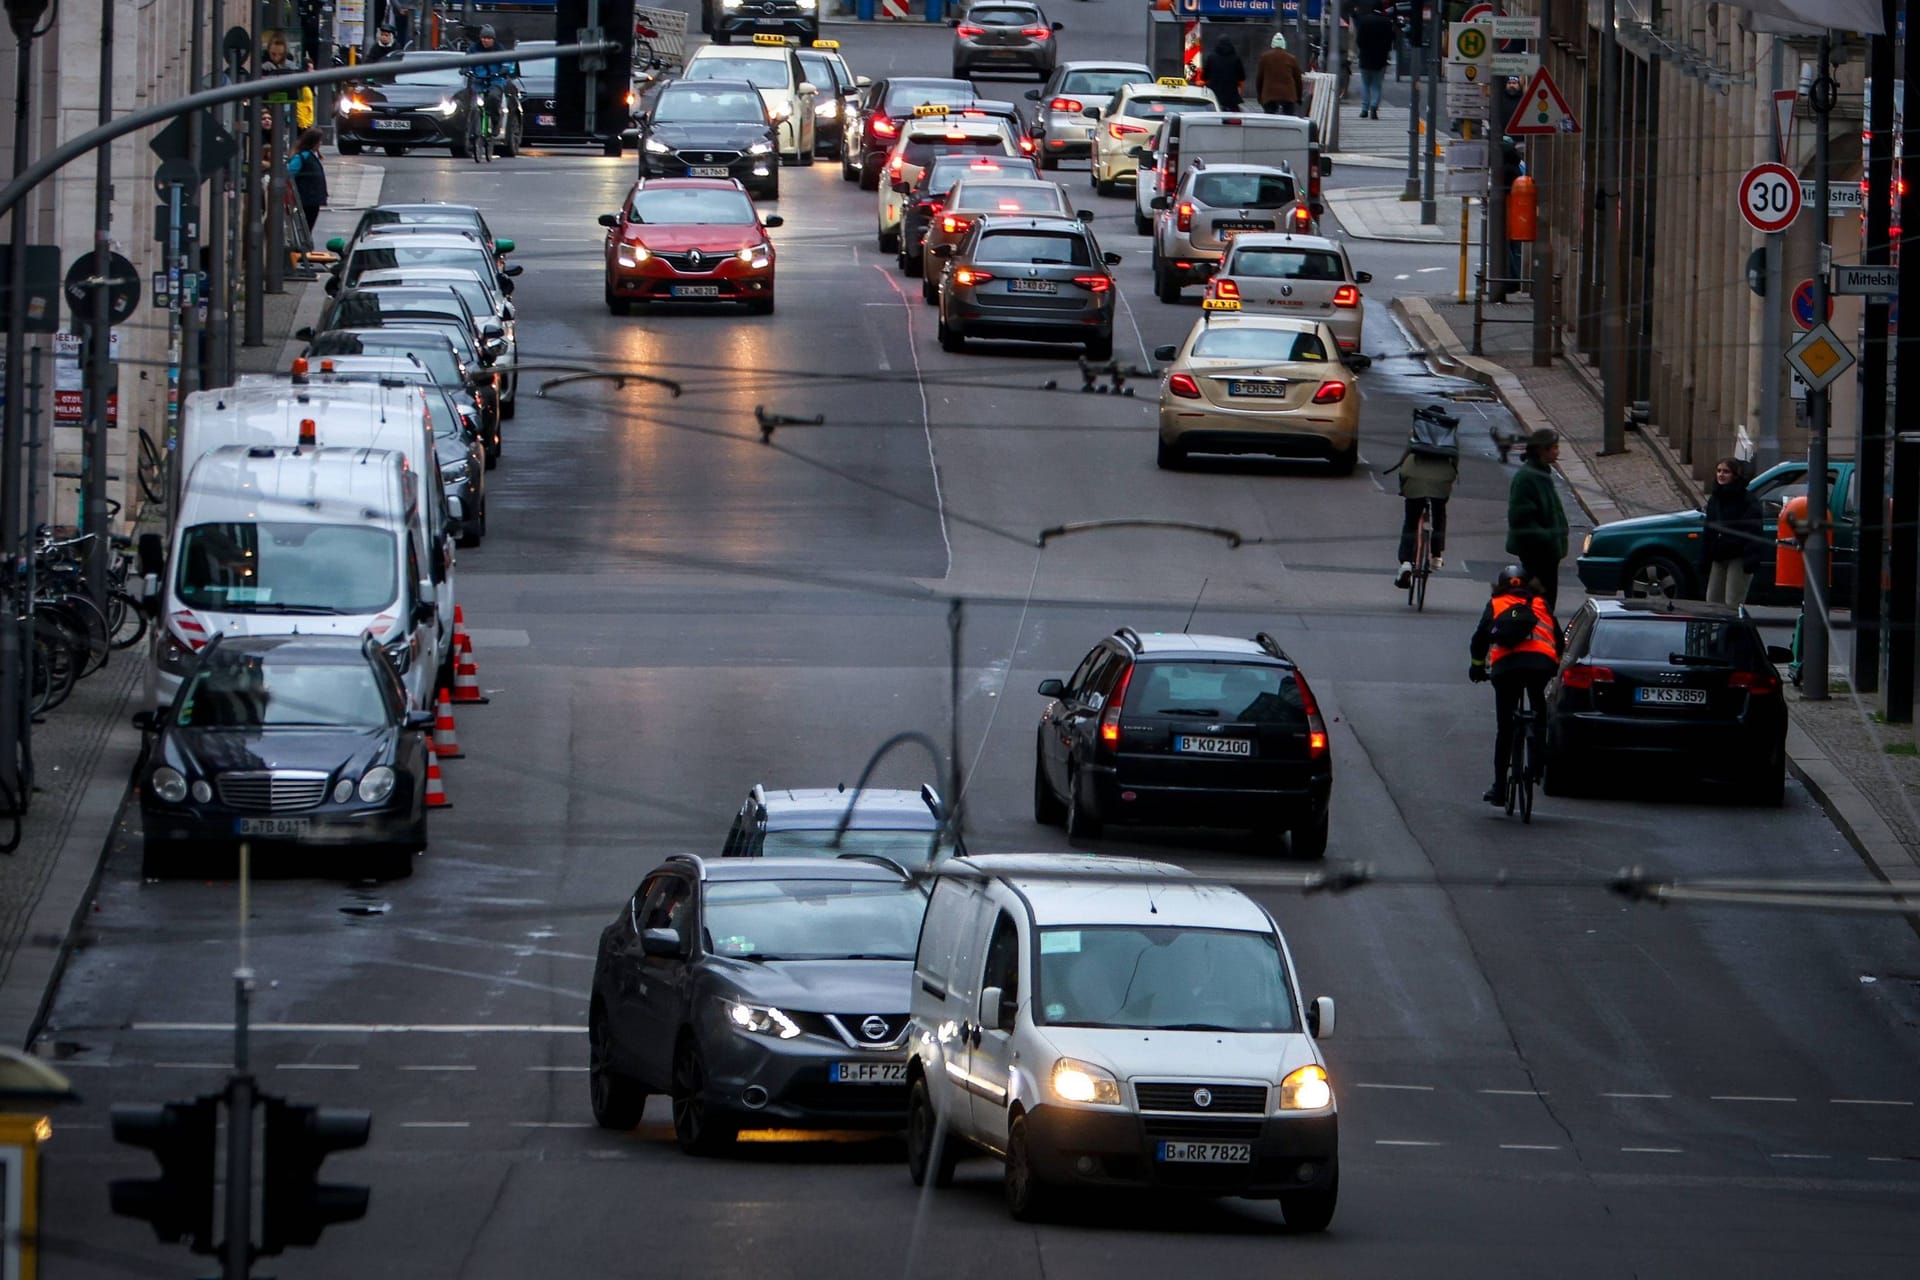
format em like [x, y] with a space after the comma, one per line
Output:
[1524, 748]
[86, 626]
[126, 621]
[1515, 762]
[1423, 564]
[58, 655]
[152, 470]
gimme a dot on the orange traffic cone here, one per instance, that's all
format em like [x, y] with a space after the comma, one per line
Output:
[462, 642]
[436, 787]
[445, 745]
[466, 681]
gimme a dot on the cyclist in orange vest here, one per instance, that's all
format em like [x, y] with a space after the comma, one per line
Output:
[1517, 646]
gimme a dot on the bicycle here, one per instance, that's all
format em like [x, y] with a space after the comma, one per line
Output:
[480, 124]
[1523, 762]
[1422, 558]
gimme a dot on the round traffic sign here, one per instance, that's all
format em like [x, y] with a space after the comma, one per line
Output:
[1803, 313]
[1470, 43]
[1477, 12]
[1770, 197]
[123, 288]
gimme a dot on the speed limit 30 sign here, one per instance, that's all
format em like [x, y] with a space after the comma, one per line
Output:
[1770, 197]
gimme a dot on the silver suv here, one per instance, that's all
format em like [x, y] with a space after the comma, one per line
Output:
[1212, 204]
[1277, 273]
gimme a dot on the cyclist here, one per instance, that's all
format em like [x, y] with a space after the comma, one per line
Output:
[490, 80]
[1517, 646]
[1428, 469]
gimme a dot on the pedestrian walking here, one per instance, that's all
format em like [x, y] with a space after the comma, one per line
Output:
[1734, 537]
[309, 176]
[1373, 40]
[1224, 73]
[1281, 87]
[1536, 522]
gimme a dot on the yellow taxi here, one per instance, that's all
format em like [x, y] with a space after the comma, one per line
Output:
[1131, 120]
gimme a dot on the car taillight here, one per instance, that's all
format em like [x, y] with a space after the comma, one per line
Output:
[1164, 176]
[1183, 385]
[1110, 718]
[1316, 727]
[1036, 33]
[1760, 682]
[954, 223]
[1583, 675]
[1026, 145]
[883, 127]
[1221, 287]
[1346, 296]
[1302, 218]
[969, 32]
[1064, 104]
[1183, 216]
[1313, 175]
[1331, 392]
[1118, 130]
[969, 276]
[1094, 284]
[895, 167]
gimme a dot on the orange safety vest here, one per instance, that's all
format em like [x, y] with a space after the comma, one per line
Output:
[1542, 639]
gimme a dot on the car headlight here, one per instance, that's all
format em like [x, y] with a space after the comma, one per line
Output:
[351, 105]
[764, 1020]
[343, 791]
[809, 4]
[448, 106]
[168, 785]
[1586, 544]
[729, 4]
[760, 149]
[452, 472]
[828, 110]
[631, 255]
[377, 785]
[756, 255]
[1076, 1081]
[658, 147]
[1306, 1089]
[400, 653]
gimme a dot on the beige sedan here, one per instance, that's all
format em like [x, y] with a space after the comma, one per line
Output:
[1245, 383]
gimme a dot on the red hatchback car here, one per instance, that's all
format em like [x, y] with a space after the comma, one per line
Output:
[689, 240]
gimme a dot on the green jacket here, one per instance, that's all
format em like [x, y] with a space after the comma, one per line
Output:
[1536, 522]
[1425, 476]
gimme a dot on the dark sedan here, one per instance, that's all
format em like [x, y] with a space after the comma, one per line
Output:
[418, 109]
[421, 218]
[711, 129]
[756, 993]
[1040, 279]
[287, 739]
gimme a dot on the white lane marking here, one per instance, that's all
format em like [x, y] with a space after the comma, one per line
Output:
[378, 1028]
[1660, 1096]
[435, 1124]
[878, 346]
[1794, 1155]
[1746, 1097]
[1412, 1088]
[1869, 1102]
[911, 306]
[1405, 1142]
[1526, 1146]
[1428, 270]
[1513, 1093]
[316, 1066]
[1403, 276]
[1872, 1159]
[430, 1067]
[556, 1068]
[193, 1066]
[551, 1124]
[1654, 1151]
[1134, 320]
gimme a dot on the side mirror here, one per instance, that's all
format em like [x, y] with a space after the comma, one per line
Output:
[1357, 361]
[1112, 259]
[337, 245]
[1051, 688]
[503, 246]
[1085, 215]
[659, 942]
[1320, 1017]
[421, 719]
[1779, 653]
[1091, 113]
[1160, 202]
[861, 82]
[773, 220]
[153, 554]
[456, 509]
[1144, 156]
[305, 334]
[902, 186]
[1167, 352]
[943, 250]
[1033, 95]
[149, 722]
[808, 87]
[1363, 277]
[1059, 26]
[332, 285]
[608, 220]
[953, 22]
[514, 271]
[1326, 167]
[996, 1011]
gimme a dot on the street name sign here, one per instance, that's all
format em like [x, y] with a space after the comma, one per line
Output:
[1862, 280]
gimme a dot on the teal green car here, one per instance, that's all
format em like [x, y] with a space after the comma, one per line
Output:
[1660, 555]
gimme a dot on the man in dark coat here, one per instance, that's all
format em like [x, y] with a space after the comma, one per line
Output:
[1224, 71]
[1373, 45]
[1282, 87]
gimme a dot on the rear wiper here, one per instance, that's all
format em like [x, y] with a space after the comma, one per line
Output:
[1187, 711]
[1051, 262]
[1697, 660]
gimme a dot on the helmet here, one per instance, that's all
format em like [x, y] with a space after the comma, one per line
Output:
[1279, 41]
[486, 32]
[1513, 578]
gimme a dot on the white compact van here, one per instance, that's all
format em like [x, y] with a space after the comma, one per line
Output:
[1229, 137]
[276, 540]
[1111, 1022]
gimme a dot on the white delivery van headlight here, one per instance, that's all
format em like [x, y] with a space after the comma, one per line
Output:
[1306, 1089]
[377, 785]
[1076, 1081]
[168, 785]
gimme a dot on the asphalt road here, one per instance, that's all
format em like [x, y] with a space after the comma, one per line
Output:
[1532, 1081]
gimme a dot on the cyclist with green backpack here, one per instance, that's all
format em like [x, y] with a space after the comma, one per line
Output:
[1428, 468]
[1517, 647]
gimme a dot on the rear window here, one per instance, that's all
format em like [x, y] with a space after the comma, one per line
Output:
[944, 172]
[1657, 640]
[919, 153]
[1160, 108]
[1244, 190]
[1033, 246]
[1283, 263]
[1217, 690]
[1003, 15]
[1276, 346]
[1097, 83]
[903, 98]
[1000, 197]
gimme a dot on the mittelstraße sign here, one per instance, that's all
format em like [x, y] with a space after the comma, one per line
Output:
[1867, 281]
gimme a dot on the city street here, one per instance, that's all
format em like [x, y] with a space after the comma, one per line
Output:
[1533, 1080]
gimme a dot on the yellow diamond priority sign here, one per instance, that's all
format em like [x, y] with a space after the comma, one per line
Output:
[1819, 357]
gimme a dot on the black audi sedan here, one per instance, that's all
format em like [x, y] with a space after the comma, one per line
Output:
[711, 129]
[303, 740]
[417, 109]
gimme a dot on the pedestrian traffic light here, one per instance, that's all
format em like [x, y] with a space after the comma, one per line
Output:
[179, 1203]
[295, 1206]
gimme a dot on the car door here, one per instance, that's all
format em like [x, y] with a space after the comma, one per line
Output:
[992, 1050]
[620, 977]
[1055, 722]
[661, 983]
[938, 1008]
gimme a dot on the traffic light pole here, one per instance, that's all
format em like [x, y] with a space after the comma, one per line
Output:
[240, 1102]
[1814, 638]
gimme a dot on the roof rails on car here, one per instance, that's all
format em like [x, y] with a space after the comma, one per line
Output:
[1129, 637]
[695, 860]
[1271, 646]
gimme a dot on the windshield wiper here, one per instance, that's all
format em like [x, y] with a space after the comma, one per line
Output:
[869, 955]
[1194, 1026]
[318, 610]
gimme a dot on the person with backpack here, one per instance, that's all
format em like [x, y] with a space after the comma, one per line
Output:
[309, 176]
[1517, 647]
[1428, 468]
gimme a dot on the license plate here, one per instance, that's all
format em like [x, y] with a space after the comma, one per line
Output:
[867, 1073]
[1205, 1152]
[1671, 697]
[1203, 746]
[707, 171]
[1032, 286]
[281, 827]
[542, 119]
[1243, 226]
[1272, 390]
[393, 124]
[696, 290]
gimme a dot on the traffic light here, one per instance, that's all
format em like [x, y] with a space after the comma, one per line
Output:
[179, 1203]
[295, 1206]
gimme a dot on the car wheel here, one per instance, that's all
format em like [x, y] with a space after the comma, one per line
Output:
[1048, 811]
[914, 264]
[611, 147]
[958, 73]
[1345, 460]
[492, 453]
[1028, 1198]
[1081, 823]
[951, 339]
[924, 1134]
[723, 37]
[392, 149]
[869, 178]
[847, 172]
[761, 306]
[483, 534]
[617, 1101]
[773, 188]
[469, 534]
[929, 292]
[391, 862]
[1166, 286]
[1309, 839]
[1142, 224]
[618, 306]
[1101, 348]
[1169, 457]
[458, 146]
[701, 1130]
[805, 158]
[1659, 575]
[889, 241]
[1311, 1210]
[1105, 188]
[346, 148]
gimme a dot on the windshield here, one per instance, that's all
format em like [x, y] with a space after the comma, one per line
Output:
[403, 255]
[1274, 346]
[762, 73]
[904, 95]
[1656, 640]
[814, 919]
[1244, 190]
[704, 106]
[262, 692]
[908, 848]
[682, 205]
[446, 79]
[1000, 197]
[269, 567]
[1163, 976]
[1101, 83]
[1287, 264]
[1033, 246]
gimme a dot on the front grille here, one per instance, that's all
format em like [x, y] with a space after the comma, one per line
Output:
[1184, 1129]
[706, 157]
[1223, 1099]
[709, 261]
[856, 1030]
[273, 792]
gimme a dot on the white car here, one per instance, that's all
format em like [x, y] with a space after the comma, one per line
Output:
[1131, 120]
[1111, 1022]
[772, 67]
[933, 133]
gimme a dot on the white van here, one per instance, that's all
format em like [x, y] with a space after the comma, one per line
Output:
[1228, 137]
[273, 540]
[1111, 1022]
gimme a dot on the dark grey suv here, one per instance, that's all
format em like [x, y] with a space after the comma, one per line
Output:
[756, 993]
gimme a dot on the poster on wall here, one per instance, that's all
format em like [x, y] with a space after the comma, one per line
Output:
[350, 23]
[70, 381]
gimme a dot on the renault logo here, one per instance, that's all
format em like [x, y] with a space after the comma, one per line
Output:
[874, 1027]
[695, 258]
[1203, 1097]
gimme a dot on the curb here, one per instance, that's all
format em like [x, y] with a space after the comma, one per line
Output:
[1850, 810]
[1353, 220]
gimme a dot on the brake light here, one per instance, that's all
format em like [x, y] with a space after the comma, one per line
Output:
[1183, 216]
[969, 276]
[1583, 675]
[1346, 296]
[1221, 287]
[883, 127]
[954, 223]
[954, 135]
[1026, 144]
[1302, 218]
[1094, 284]
[1118, 130]
[1330, 393]
[1064, 104]
[1313, 175]
[895, 167]
[1036, 33]
[1756, 682]
[1110, 718]
[1183, 385]
[1316, 727]
[969, 32]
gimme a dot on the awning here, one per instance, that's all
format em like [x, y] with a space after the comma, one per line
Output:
[1810, 17]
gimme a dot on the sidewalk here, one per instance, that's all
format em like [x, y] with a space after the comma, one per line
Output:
[1864, 773]
[86, 749]
[1377, 212]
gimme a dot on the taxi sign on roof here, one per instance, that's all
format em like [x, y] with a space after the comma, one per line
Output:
[826, 44]
[1220, 304]
[1172, 82]
[932, 109]
[767, 37]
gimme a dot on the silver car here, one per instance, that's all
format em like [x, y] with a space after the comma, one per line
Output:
[1311, 277]
[1003, 35]
[1213, 203]
[1060, 126]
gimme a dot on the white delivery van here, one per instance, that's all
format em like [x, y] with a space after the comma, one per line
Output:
[277, 540]
[1112, 1022]
[1229, 137]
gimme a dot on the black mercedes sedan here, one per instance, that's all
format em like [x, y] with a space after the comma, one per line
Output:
[417, 109]
[278, 740]
[711, 129]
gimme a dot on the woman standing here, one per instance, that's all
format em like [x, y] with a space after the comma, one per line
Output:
[1734, 537]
